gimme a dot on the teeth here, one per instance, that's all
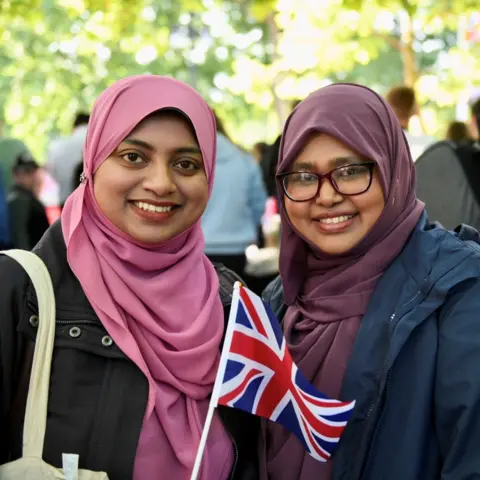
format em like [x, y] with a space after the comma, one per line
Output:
[152, 208]
[341, 219]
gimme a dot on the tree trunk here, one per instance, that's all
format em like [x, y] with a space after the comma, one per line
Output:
[282, 107]
[410, 71]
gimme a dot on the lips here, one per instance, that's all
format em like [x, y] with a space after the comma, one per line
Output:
[155, 211]
[335, 220]
[333, 224]
[150, 207]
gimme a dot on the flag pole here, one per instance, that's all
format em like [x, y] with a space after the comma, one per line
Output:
[218, 381]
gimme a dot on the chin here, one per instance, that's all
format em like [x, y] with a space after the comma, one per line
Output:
[333, 247]
[333, 251]
[149, 238]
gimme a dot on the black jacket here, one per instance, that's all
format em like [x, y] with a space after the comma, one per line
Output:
[28, 219]
[97, 395]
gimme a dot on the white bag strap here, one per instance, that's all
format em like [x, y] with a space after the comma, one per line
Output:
[37, 400]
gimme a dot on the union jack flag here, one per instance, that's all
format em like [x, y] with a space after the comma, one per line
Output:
[257, 375]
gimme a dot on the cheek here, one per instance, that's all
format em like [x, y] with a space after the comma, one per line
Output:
[196, 190]
[111, 178]
[111, 185]
[297, 211]
[371, 205]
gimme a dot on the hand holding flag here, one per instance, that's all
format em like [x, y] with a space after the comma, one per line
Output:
[257, 375]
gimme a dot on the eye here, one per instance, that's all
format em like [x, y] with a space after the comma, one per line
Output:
[187, 165]
[302, 178]
[133, 158]
[352, 171]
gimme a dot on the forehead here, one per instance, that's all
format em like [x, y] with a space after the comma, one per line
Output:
[323, 151]
[165, 129]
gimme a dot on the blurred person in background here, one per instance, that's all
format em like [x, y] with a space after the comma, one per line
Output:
[236, 207]
[10, 149]
[269, 165]
[404, 104]
[475, 120]
[77, 175]
[4, 217]
[270, 159]
[28, 219]
[66, 153]
[259, 150]
[448, 176]
[458, 132]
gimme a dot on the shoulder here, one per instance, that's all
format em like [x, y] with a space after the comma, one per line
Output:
[226, 279]
[17, 195]
[14, 281]
[434, 255]
[438, 268]
[12, 276]
[274, 297]
[51, 249]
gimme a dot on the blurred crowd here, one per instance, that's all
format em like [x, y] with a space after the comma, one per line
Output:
[241, 224]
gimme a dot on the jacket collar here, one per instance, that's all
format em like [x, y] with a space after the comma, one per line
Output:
[68, 291]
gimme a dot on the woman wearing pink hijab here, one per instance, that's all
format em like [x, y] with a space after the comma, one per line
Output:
[378, 304]
[140, 310]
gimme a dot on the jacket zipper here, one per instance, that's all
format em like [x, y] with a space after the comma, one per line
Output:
[75, 322]
[83, 321]
[235, 448]
[374, 436]
[374, 403]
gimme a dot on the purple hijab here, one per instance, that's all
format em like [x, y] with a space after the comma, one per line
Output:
[327, 295]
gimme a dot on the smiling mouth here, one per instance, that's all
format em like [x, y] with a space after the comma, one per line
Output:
[148, 207]
[335, 220]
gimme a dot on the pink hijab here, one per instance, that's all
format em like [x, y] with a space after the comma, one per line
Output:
[327, 295]
[160, 303]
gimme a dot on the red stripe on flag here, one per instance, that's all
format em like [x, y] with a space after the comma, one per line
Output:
[322, 403]
[317, 449]
[252, 312]
[235, 393]
[256, 350]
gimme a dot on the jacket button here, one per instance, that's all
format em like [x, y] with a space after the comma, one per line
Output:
[75, 332]
[107, 341]
[33, 321]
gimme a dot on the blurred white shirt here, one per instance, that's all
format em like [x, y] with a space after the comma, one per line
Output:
[418, 143]
[63, 156]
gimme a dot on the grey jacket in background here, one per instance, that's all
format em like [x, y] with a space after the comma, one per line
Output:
[444, 185]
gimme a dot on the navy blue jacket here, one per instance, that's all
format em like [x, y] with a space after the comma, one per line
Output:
[415, 366]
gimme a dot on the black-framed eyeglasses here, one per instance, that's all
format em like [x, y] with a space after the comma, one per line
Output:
[353, 179]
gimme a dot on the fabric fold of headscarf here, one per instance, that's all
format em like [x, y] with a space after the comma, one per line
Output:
[327, 295]
[160, 304]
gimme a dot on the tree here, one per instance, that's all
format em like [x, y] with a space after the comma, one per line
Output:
[375, 42]
[249, 58]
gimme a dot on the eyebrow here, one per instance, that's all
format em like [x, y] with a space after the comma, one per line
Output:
[347, 160]
[333, 163]
[148, 146]
[139, 143]
[188, 150]
[302, 166]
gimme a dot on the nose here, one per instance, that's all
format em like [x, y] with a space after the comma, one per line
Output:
[159, 179]
[327, 195]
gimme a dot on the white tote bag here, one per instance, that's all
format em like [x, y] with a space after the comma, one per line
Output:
[31, 466]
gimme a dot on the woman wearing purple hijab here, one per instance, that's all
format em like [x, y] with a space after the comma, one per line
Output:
[377, 304]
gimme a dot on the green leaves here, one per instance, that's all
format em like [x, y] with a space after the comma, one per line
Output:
[249, 58]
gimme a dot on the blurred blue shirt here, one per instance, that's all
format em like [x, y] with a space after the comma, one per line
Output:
[237, 203]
